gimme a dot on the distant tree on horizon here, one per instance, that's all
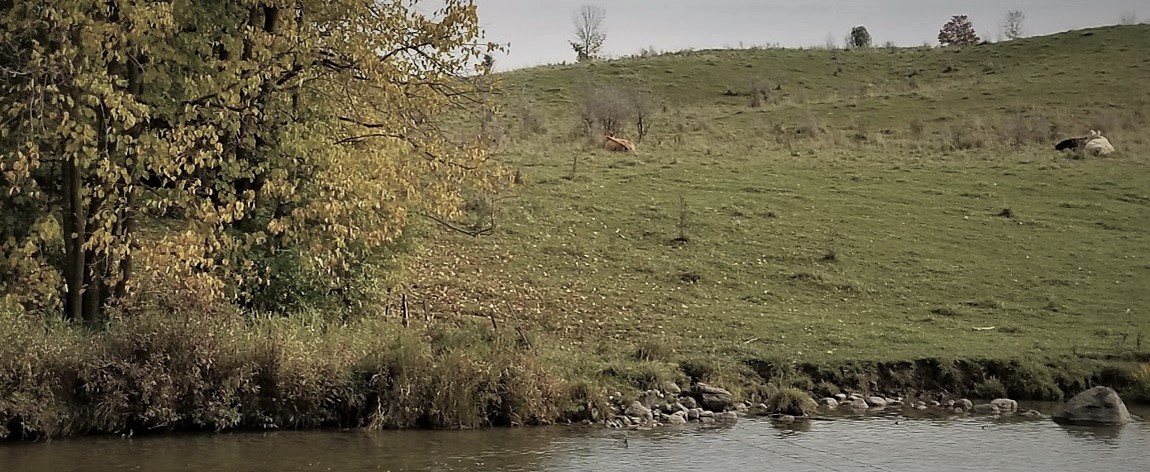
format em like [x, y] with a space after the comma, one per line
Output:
[860, 37]
[589, 33]
[830, 41]
[1012, 24]
[959, 31]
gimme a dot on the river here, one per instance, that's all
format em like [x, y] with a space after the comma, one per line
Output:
[887, 442]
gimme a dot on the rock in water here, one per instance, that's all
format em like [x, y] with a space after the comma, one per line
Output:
[986, 409]
[713, 398]
[1005, 405]
[1097, 406]
[677, 418]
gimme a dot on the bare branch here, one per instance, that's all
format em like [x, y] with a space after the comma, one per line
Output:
[473, 233]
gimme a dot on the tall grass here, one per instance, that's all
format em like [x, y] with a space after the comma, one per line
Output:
[165, 372]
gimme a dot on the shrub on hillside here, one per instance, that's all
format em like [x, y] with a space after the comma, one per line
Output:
[613, 108]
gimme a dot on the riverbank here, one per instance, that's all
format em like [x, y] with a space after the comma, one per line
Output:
[155, 374]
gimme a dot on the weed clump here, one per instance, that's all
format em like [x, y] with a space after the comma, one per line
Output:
[990, 388]
[652, 350]
[791, 401]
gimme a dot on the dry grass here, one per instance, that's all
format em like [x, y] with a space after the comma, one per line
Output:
[155, 372]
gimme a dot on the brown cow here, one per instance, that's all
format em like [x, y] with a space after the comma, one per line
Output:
[613, 144]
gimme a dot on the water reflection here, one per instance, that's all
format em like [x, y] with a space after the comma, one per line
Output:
[892, 441]
[1107, 434]
[792, 428]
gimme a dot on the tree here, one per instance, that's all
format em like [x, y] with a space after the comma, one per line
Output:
[589, 33]
[957, 32]
[860, 37]
[248, 143]
[1012, 24]
[612, 107]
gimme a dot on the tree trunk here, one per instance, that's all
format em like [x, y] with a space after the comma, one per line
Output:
[74, 256]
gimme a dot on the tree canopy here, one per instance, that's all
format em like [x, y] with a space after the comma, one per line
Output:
[225, 144]
[959, 31]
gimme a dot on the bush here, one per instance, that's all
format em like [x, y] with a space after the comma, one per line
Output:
[990, 389]
[700, 369]
[791, 401]
[611, 108]
[1140, 390]
[34, 368]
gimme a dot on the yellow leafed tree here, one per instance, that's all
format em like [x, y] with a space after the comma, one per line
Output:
[228, 140]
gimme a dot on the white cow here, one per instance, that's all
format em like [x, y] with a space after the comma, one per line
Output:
[1097, 144]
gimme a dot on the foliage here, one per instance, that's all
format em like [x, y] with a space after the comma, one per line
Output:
[589, 32]
[224, 134]
[860, 37]
[1012, 24]
[959, 31]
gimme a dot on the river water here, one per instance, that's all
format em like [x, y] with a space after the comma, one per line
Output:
[888, 442]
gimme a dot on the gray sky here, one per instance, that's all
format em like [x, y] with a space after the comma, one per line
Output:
[538, 30]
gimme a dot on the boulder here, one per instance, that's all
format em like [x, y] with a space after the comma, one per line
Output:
[713, 398]
[964, 404]
[841, 397]
[727, 417]
[1097, 406]
[830, 402]
[693, 414]
[637, 410]
[689, 402]
[876, 401]
[671, 388]
[985, 409]
[1005, 405]
[650, 399]
[677, 419]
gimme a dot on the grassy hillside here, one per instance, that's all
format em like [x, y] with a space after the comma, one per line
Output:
[882, 205]
[1084, 77]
